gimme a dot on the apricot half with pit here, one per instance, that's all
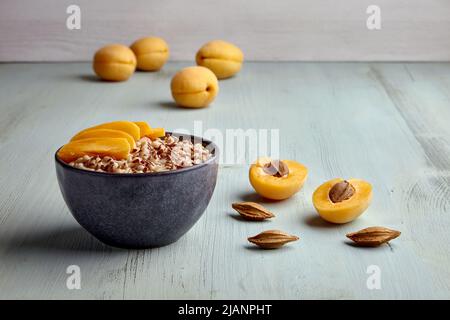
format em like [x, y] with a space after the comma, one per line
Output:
[277, 179]
[194, 87]
[114, 62]
[117, 148]
[342, 201]
[221, 57]
[151, 53]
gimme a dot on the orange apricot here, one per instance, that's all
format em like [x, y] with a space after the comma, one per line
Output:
[342, 201]
[275, 179]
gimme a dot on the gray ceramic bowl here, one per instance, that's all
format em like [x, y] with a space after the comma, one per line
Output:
[139, 210]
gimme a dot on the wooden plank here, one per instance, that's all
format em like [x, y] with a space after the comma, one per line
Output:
[326, 30]
[386, 123]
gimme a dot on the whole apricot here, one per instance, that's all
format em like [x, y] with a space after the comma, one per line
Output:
[151, 53]
[114, 62]
[221, 57]
[342, 201]
[277, 179]
[194, 87]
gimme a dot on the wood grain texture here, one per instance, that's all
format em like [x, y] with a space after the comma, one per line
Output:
[330, 30]
[383, 122]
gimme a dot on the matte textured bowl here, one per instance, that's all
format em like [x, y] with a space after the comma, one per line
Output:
[139, 210]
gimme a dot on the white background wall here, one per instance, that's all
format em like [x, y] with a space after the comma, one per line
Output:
[35, 30]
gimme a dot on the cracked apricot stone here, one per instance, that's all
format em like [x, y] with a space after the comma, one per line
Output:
[117, 148]
[277, 179]
[114, 62]
[342, 201]
[221, 57]
[194, 87]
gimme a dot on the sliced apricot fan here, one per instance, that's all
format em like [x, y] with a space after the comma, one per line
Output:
[346, 210]
[104, 133]
[277, 188]
[126, 126]
[117, 148]
[144, 127]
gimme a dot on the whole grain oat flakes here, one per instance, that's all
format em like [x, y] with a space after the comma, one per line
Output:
[160, 154]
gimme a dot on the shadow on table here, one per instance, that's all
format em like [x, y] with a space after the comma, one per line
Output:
[72, 238]
[168, 105]
[256, 249]
[172, 106]
[89, 78]
[315, 221]
[254, 197]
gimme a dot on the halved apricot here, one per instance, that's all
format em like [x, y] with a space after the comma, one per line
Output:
[144, 127]
[126, 126]
[277, 180]
[104, 133]
[348, 200]
[117, 148]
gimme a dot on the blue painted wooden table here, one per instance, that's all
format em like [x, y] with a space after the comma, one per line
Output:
[387, 123]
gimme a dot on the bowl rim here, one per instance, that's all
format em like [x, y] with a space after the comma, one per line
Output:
[214, 152]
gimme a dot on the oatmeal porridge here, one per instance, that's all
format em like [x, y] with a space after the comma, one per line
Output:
[150, 155]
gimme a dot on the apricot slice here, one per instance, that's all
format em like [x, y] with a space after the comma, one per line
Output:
[157, 133]
[145, 128]
[117, 148]
[126, 126]
[277, 180]
[104, 133]
[342, 201]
